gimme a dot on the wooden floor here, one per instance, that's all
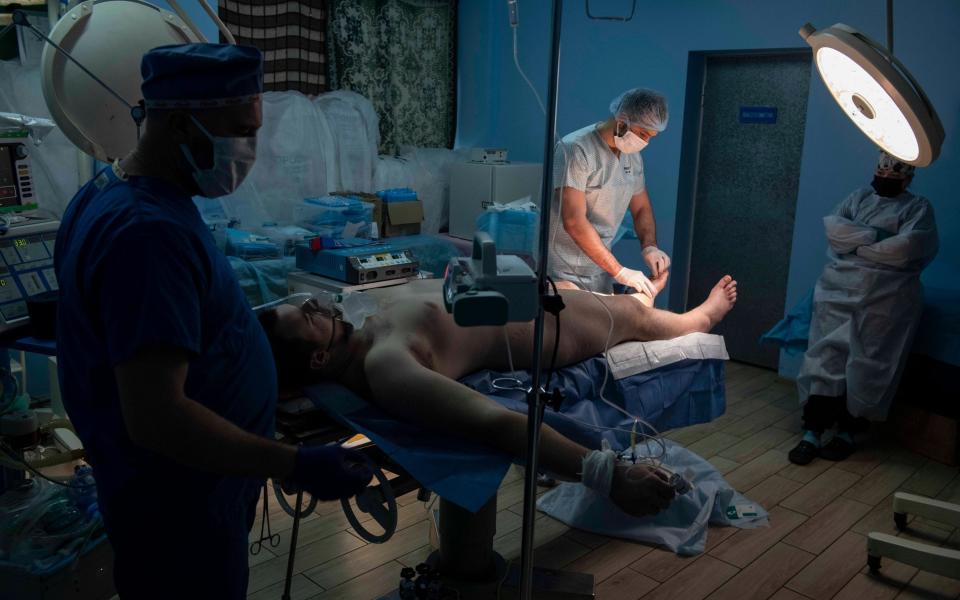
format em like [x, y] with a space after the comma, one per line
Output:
[815, 546]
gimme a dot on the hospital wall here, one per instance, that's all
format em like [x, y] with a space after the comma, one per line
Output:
[601, 58]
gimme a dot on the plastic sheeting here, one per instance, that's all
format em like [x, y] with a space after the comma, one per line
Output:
[392, 172]
[682, 527]
[295, 160]
[468, 474]
[310, 148]
[305, 149]
[263, 281]
[356, 128]
[431, 180]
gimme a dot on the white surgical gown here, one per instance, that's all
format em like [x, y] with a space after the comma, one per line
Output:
[583, 161]
[867, 302]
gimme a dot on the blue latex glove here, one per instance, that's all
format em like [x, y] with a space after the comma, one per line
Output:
[330, 472]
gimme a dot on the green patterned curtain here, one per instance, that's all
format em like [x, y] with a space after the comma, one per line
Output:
[401, 54]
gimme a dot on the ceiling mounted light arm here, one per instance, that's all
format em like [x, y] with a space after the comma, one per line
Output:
[877, 92]
[890, 27]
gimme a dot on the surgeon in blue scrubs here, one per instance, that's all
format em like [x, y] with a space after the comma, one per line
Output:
[164, 370]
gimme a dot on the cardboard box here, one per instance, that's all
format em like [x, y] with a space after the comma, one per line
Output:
[402, 218]
[393, 219]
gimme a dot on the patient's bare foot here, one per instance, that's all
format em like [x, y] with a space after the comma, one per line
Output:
[639, 490]
[721, 299]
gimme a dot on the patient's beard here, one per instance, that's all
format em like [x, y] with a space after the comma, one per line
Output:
[347, 329]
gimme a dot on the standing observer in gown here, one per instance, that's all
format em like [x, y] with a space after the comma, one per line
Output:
[866, 309]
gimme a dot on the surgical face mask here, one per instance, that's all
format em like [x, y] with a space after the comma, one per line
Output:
[629, 142]
[887, 187]
[233, 157]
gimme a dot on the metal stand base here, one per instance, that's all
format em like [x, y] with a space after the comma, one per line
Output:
[475, 589]
[467, 562]
[550, 585]
[466, 544]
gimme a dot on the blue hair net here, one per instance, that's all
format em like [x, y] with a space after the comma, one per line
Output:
[642, 107]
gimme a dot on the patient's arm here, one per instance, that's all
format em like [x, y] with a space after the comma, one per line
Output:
[410, 391]
[405, 388]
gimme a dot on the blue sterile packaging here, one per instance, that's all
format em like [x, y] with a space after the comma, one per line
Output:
[514, 227]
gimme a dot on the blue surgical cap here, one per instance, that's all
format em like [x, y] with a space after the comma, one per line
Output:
[642, 107]
[201, 75]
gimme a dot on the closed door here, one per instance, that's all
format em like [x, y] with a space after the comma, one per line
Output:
[750, 141]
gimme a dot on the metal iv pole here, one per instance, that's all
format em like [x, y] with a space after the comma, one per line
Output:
[534, 401]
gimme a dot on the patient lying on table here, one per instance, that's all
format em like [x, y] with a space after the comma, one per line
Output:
[407, 358]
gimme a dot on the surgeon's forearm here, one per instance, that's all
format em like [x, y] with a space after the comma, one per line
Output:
[586, 237]
[191, 434]
[160, 417]
[644, 224]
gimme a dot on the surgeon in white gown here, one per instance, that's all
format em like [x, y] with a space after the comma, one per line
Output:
[598, 178]
[866, 308]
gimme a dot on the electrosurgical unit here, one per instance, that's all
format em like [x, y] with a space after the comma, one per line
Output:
[366, 263]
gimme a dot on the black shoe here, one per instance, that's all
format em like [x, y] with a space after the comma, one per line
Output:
[804, 453]
[837, 449]
[544, 480]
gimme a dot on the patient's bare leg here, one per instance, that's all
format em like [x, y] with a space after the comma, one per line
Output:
[567, 285]
[586, 324]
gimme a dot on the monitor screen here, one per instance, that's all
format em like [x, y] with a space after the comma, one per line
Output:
[8, 181]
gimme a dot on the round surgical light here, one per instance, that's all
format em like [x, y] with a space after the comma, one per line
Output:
[877, 92]
[108, 37]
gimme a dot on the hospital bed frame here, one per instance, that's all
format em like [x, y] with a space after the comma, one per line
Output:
[466, 555]
[942, 561]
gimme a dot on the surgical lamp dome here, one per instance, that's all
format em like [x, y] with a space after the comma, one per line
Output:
[108, 37]
[877, 92]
